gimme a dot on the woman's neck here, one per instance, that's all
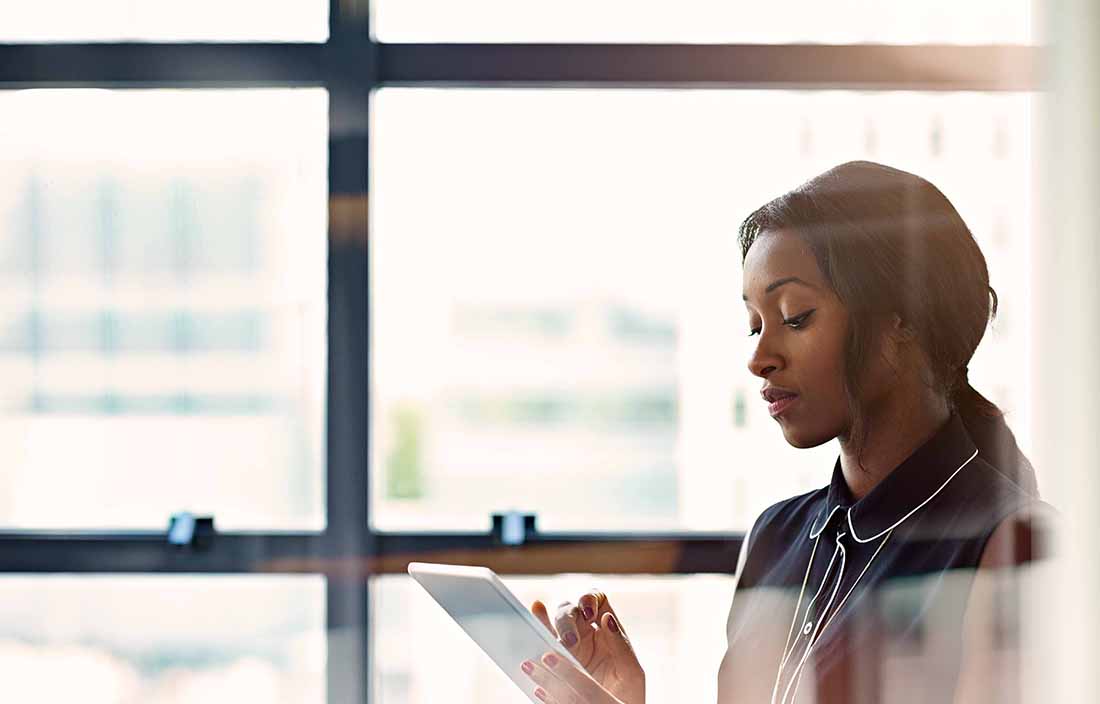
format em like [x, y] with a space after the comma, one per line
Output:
[896, 431]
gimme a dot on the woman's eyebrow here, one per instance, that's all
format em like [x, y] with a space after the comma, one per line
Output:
[779, 282]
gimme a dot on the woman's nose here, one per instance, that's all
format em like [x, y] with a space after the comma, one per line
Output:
[764, 360]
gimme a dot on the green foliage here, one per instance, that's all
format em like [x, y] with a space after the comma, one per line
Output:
[404, 465]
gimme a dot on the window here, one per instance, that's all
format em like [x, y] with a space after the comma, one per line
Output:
[164, 307]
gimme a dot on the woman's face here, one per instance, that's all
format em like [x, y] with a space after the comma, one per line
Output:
[800, 327]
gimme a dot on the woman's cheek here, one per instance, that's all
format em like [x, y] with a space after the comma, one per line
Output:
[827, 372]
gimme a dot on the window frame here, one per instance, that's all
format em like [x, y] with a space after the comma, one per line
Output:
[350, 65]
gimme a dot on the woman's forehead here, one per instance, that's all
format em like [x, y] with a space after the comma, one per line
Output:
[779, 255]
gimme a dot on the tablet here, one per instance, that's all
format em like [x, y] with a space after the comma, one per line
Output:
[492, 616]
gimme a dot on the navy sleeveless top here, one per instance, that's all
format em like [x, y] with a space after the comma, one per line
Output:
[840, 600]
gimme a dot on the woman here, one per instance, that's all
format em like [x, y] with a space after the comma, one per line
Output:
[868, 296]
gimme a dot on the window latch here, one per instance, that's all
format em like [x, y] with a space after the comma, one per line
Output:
[188, 530]
[513, 527]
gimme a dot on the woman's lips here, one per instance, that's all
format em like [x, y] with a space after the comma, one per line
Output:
[779, 406]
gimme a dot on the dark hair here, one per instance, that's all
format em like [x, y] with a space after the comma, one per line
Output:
[889, 242]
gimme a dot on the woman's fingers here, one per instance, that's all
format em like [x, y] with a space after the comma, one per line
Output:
[587, 625]
[563, 683]
[594, 605]
[579, 681]
[568, 621]
[550, 688]
[539, 610]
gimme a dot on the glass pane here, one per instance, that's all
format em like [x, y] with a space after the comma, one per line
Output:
[164, 21]
[562, 329]
[163, 640]
[678, 622]
[707, 21]
[162, 324]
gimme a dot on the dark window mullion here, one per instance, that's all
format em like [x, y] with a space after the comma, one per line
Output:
[142, 552]
[552, 553]
[182, 65]
[349, 77]
[792, 66]
[350, 59]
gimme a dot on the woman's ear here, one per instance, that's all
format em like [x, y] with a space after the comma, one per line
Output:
[894, 339]
[901, 330]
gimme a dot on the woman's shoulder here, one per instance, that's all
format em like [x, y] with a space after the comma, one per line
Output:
[990, 496]
[1021, 524]
[786, 520]
[778, 530]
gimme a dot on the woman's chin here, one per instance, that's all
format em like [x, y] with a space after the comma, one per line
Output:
[801, 437]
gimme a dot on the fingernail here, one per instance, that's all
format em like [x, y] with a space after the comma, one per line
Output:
[612, 624]
[550, 659]
[570, 639]
[528, 666]
[588, 613]
[540, 693]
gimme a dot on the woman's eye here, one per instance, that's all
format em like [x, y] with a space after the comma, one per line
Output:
[795, 322]
[799, 320]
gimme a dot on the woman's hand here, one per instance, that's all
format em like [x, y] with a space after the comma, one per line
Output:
[593, 634]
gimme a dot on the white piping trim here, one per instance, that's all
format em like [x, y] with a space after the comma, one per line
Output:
[854, 584]
[903, 518]
[794, 619]
[839, 607]
[806, 613]
[797, 675]
[816, 532]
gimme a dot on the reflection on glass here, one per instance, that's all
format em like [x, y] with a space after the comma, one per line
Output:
[556, 313]
[680, 628]
[705, 21]
[676, 625]
[162, 340]
[163, 640]
[164, 21]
